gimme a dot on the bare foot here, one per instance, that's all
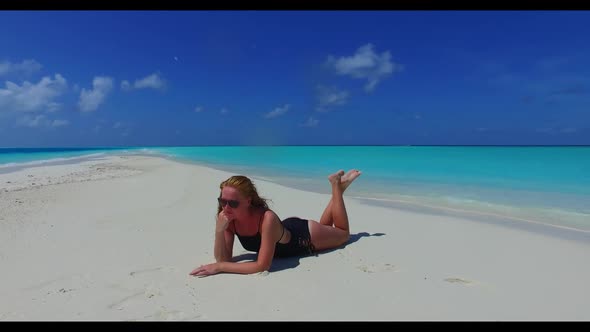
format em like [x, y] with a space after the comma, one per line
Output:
[335, 178]
[347, 178]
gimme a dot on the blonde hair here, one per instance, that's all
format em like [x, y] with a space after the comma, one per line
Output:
[247, 188]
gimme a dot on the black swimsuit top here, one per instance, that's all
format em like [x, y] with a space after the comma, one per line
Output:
[252, 243]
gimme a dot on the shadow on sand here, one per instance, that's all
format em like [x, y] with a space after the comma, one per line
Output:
[279, 264]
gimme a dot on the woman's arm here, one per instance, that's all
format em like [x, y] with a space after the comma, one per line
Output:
[224, 239]
[270, 233]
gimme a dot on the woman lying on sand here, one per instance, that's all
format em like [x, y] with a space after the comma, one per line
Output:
[242, 212]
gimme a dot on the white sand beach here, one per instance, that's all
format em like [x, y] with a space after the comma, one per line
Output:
[115, 240]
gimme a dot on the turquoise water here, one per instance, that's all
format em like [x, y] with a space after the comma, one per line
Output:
[550, 185]
[17, 157]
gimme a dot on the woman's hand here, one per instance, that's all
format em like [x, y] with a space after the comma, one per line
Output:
[206, 270]
[222, 222]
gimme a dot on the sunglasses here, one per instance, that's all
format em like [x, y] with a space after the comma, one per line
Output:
[233, 204]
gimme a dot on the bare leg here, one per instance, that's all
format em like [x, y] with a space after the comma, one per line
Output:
[339, 214]
[346, 180]
[326, 218]
[328, 236]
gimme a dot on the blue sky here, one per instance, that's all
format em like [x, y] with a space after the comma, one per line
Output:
[128, 78]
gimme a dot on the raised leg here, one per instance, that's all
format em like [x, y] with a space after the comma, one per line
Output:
[339, 215]
[337, 231]
[346, 180]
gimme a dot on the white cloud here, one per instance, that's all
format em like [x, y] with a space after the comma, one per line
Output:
[557, 130]
[334, 98]
[53, 107]
[365, 64]
[330, 96]
[33, 97]
[554, 62]
[40, 121]
[153, 81]
[32, 121]
[277, 112]
[26, 67]
[125, 85]
[569, 130]
[547, 130]
[199, 109]
[124, 128]
[311, 122]
[59, 123]
[91, 99]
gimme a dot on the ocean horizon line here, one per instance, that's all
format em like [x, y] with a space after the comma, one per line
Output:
[97, 147]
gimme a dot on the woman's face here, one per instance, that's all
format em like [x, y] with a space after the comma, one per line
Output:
[234, 204]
